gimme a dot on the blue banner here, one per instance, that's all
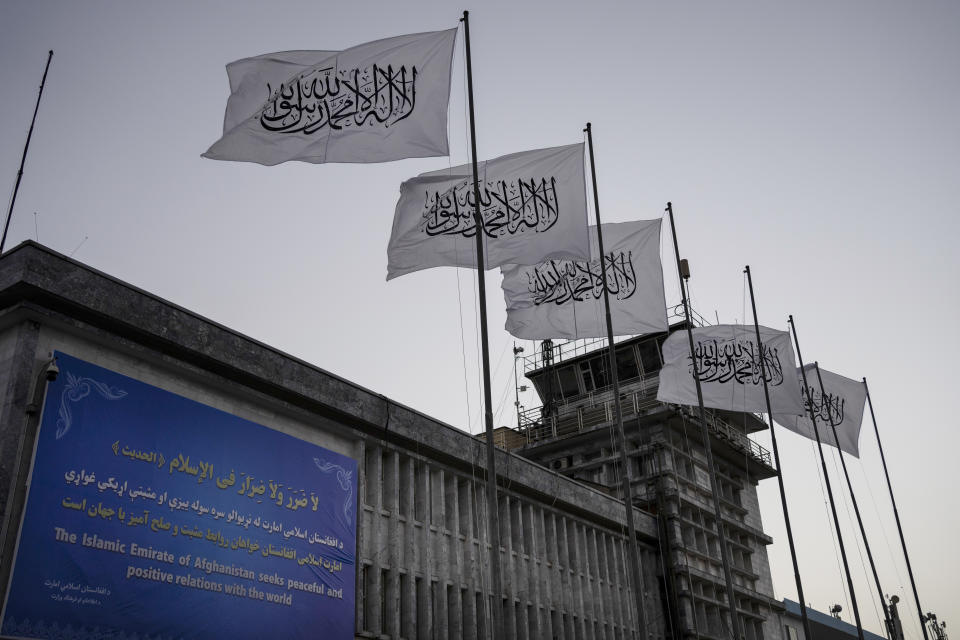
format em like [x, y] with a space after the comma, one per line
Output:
[150, 515]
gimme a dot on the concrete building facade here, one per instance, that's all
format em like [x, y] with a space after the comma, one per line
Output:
[573, 434]
[422, 562]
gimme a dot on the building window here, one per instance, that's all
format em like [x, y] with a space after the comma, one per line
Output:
[791, 632]
[362, 599]
[404, 610]
[567, 378]
[587, 377]
[403, 507]
[371, 475]
[598, 366]
[627, 364]
[387, 486]
[649, 355]
[384, 582]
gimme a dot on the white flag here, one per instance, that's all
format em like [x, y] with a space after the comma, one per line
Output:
[842, 408]
[728, 365]
[564, 298]
[533, 206]
[379, 101]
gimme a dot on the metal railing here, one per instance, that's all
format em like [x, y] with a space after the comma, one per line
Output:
[571, 349]
[568, 350]
[732, 436]
[638, 396]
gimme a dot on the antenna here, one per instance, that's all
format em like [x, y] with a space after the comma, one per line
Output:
[23, 159]
[78, 246]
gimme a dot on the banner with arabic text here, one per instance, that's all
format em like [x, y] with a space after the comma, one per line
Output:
[728, 364]
[840, 408]
[375, 102]
[253, 80]
[533, 207]
[564, 298]
[150, 515]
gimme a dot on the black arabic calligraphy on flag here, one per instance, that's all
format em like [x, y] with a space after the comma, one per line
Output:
[838, 405]
[376, 102]
[564, 298]
[731, 370]
[533, 207]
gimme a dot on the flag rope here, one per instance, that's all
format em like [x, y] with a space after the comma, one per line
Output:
[883, 531]
[833, 536]
[701, 520]
[856, 511]
[863, 565]
[776, 452]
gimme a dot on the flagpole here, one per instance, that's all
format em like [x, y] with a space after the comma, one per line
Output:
[826, 477]
[636, 576]
[23, 159]
[896, 514]
[736, 626]
[856, 509]
[492, 510]
[776, 456]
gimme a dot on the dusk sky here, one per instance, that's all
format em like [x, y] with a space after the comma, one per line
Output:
[817, 142]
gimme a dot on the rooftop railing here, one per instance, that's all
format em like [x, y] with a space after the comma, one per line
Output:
[570, 349]
[637, 397]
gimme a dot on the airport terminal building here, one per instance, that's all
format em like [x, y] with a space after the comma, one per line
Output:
[127, 421]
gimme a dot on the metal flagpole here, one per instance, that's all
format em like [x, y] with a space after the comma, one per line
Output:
[826, 477]
[636, 576]
[776, 456]
[896, 514]
[736, 626]
[492, 510]
[23, 159]
[856, 509]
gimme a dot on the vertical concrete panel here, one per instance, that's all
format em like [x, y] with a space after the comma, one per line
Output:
[508, 567]
[428, 566]
[626, 595]
[454, 613]
[601, 611]
[363, 527]
[454, 544]
[548, 571]
[534, 556]
[441, 557]
[590, 583]
[17, 379]
[522, 621]
[394, 541]
[374, 458]
[410, 547]
[469, 604]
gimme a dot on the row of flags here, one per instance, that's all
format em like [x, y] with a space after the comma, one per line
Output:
[728, 365]
[388, 99]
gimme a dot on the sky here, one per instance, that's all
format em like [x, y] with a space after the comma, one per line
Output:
[817, 142]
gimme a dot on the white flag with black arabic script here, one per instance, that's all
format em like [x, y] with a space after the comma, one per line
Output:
[253, 80]
[376, 102]
[728, 365]
[841, 407]
[533, 207]
[564, 298]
